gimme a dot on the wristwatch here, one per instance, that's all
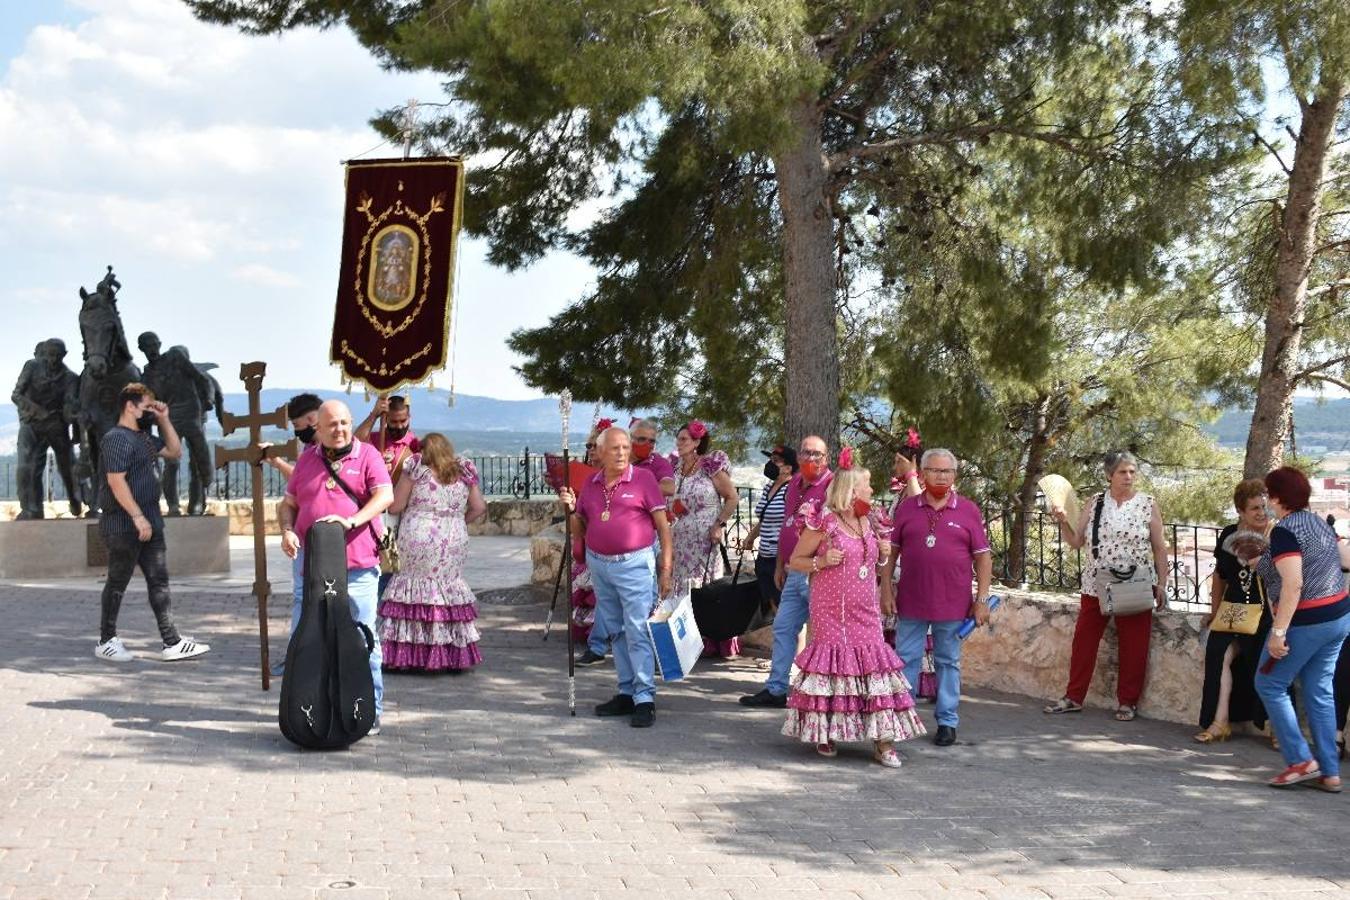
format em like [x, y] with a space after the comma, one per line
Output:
[982, 601]
[1279, 632]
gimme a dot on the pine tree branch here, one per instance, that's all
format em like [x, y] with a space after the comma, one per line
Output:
[1327, 379]
[1314, 371]
[1273, 152]
[961, 135]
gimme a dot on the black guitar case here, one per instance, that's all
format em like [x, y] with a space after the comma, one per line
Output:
[327, 693]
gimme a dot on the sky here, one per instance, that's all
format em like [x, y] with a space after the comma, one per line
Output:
[205, 166]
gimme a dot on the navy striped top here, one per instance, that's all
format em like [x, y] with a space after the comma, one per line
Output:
[1308, 536]
[770, 511]
[136, 454]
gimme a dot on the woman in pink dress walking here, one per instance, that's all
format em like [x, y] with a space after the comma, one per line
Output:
[849, 685]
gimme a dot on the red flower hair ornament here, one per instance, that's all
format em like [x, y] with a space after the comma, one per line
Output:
[913, 440]
[697, 430]
[846, 458]
[604, 425]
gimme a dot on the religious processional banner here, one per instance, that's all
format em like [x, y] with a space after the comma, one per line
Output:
[401, 223]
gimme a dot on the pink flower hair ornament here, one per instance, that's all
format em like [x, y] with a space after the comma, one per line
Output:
[697, 430]
[913, 440]
[846, 458]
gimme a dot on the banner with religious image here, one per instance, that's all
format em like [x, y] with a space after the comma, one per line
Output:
[401, 220]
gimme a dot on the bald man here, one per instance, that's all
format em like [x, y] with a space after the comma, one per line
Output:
[315, 493]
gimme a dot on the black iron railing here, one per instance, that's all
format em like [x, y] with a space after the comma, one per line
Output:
[1048, 563]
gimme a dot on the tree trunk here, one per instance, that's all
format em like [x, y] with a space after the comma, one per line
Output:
[1037, 446]
[1284, 320]
[811, 350]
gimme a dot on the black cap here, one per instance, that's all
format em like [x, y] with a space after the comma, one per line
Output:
[787, 454]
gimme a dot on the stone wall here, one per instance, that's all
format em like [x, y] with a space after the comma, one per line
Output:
[1026, 651]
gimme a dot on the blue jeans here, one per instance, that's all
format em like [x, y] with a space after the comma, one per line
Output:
[909, 641]
[794, 608]
[623, 602]
[597, 641]
[1313, 651]
[363, 599]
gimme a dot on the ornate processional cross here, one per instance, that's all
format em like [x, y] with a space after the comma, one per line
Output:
[253, 454]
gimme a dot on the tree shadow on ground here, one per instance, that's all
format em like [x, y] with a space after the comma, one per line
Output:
[1023, 793]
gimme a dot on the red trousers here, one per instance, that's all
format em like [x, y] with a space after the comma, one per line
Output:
[1132, 634]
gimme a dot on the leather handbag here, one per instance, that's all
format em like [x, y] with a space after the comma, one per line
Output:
[389, 558]
[1126, 591]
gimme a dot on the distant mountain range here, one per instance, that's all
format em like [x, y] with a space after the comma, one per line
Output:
[476, 424]
[487, 425]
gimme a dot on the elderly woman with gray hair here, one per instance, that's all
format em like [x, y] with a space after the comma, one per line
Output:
[1124, 532]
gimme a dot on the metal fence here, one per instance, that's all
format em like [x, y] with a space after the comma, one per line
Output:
[1048, 563]
[521, 477]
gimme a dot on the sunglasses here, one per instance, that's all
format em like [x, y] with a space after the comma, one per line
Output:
[643, 440]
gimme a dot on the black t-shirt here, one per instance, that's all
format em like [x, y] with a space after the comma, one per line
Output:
[136, 454]
[1234, 574]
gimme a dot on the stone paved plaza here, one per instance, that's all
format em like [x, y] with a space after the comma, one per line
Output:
[150, 780]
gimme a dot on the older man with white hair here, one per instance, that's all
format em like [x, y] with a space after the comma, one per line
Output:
[340, 479]
[941, 538]
[620, 512]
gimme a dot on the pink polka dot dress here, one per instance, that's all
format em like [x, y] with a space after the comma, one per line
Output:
[848, 685]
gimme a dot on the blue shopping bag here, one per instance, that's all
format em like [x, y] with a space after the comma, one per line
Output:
[676, 637]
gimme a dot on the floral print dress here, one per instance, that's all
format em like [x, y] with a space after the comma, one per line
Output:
[695, 507]
[427, 615]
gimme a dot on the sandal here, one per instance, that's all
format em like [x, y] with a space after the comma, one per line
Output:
[888, 757]
[827, 750]
[1296, 774]
[1126, 713]
[1212, 735]
[1063, 705]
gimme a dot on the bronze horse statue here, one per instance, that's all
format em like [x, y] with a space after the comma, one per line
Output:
[108, 367]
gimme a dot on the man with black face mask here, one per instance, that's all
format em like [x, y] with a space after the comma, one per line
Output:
[396, 442]
[303, 411]
[131, 524]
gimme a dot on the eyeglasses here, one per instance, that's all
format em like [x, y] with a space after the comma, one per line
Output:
[811, 454]
[643, 440]
[946, 472]
[591, 445]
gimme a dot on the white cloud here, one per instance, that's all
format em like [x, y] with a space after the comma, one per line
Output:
[205, 165]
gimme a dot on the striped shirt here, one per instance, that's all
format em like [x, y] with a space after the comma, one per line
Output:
[135, 454]
[769, 510]
[1306, 536]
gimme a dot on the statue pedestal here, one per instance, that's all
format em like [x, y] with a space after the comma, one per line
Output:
[70, 548]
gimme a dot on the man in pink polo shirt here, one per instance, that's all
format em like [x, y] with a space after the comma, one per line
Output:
[941, 537]
[644, 443]
[805, 496]
[619, 515]
[396, 442]
[316, 493]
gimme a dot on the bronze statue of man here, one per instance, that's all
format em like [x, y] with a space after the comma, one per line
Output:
[178, 383]
[44, 395]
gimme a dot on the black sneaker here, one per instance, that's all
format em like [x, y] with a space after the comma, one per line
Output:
[589, 658]
[765, 698]
[618, 705]
[644, 715]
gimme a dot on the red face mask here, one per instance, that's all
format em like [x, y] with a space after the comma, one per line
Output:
[642, 451]
[811, 469]
[861, 507]
[938, 490]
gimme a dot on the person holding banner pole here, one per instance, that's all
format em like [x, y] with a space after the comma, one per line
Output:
[618, 515]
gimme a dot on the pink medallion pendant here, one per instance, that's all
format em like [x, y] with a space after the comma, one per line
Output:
[604, 516]
[862, 572]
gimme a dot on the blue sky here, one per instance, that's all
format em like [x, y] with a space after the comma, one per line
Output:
[205, 166]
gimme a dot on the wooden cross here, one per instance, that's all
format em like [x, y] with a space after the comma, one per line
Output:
[254, 454]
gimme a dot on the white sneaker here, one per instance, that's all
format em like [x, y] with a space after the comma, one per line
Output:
[186, 648]
[113, 650]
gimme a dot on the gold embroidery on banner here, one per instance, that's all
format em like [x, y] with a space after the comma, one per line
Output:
[377, 228]
[383, 370]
